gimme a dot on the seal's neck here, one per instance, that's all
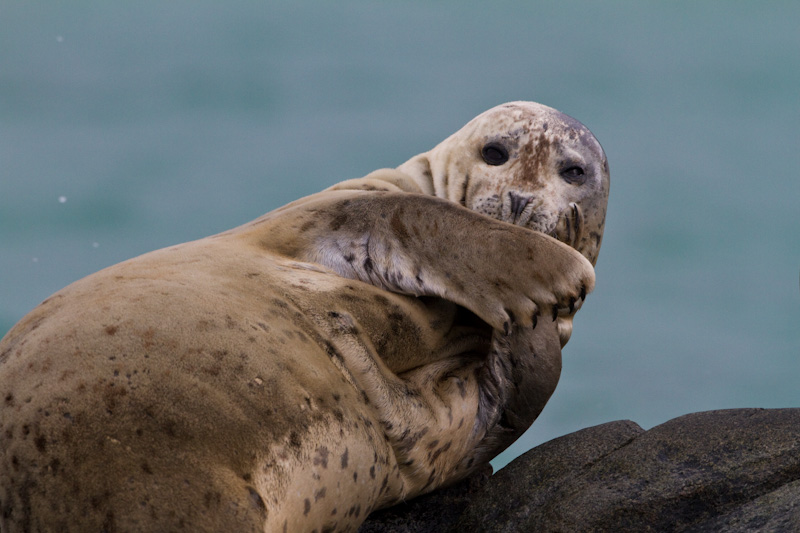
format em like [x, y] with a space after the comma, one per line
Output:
[419, 169]
[432, 173]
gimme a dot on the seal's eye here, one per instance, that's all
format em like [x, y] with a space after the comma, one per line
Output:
[574, 175]
[494, 153]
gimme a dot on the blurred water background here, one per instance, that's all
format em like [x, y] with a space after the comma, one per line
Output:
[130, 126]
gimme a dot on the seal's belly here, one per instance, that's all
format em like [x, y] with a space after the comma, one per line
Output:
[144, 383]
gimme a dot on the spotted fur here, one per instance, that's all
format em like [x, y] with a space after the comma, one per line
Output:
[345, 352]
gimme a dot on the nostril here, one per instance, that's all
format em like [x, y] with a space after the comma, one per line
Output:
[518, 203]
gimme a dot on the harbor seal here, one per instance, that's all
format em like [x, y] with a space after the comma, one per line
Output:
[340, 354]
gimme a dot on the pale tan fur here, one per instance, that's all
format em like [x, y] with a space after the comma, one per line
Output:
[340, 354]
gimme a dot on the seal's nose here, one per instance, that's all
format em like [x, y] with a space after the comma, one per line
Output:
[518, 203]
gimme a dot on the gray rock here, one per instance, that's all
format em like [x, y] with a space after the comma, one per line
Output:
[778, 510]
[518, 493]
[732, 470]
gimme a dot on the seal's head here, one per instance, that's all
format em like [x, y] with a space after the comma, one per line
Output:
[527, 164]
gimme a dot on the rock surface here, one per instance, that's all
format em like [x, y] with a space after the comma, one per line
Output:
[731, 470]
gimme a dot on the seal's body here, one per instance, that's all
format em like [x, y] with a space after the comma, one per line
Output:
[345, 352]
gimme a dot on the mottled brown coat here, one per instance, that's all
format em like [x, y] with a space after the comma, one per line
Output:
[345, 352]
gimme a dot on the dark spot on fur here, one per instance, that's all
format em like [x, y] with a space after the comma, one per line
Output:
[338, 221]
[9, 399]
[332, 352]
[41, 443]
[351, 298]
[350, 257]
[212, 370]
[372, 471]
[202, 325]
[111, 330]
[321, 457]
[345, 457]
[534, 156]
[308, 225]
[306, 506]
[399, 228]
[355, 475]
[294, 439]
[319, 494]
[279, 303]
[212, 498]
[255, 499]
[252, 275]
[439, 451]
[146, 468]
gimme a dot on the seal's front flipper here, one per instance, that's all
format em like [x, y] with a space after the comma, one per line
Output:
[422, 245]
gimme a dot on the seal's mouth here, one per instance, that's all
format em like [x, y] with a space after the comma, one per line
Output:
[524, 210]
[527, 211]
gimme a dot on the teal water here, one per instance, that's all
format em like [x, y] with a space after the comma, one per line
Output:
[129, 126]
